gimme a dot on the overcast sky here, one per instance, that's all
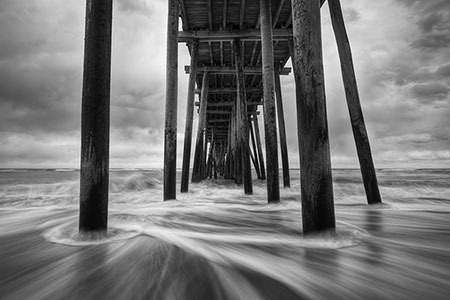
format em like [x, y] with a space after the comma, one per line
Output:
[401, 52]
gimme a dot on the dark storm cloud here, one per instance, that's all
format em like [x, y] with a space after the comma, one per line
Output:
[433, 20]
[443, 72]
[430, 91]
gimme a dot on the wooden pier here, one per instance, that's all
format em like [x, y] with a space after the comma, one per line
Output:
[239, 50]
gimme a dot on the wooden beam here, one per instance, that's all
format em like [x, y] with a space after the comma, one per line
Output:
[277, 13]
[249, 70]
[184, 17]
[229, 103]
[95, 117]
[211, 54]
[315, 163]
[259, 146]
[229, 35]
[243, 130]
[218, 104]
[242, 15]
[282, 131]
[170, 131]
[221, 54]
[225, 112]
[210, 15]
[189, 118]
[255, 150]
[224, 14]
[227, 90]
[354, 104]
[270, 126]
[198, 155]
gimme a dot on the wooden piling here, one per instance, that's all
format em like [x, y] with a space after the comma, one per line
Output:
[273, 185]
[170, 131]
[197, 173]
[255, 151]
[259, 145]
[316, 180]
[95, 115]
[282, 130]
[354, 104]
[243, 129]
[189, 118]
[238, 144]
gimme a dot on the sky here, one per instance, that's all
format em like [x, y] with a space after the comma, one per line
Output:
[401, 52]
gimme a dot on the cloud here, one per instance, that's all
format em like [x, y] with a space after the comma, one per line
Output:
[135, 7]
[430, 91]
[400, 51]
[351, 15]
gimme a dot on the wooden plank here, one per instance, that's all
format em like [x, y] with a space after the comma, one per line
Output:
[315, 176]
[229, 35]
[170, 129]
[227, 90]
[270, 126]
[95, 116]
[248, 70]
[229, 103]
[354, 105]
[189, 118]
[224, 112]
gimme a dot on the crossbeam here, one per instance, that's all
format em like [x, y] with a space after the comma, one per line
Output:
[229, 103]
[232, 70]
[230, 35]
[226, 112]
[228, 90]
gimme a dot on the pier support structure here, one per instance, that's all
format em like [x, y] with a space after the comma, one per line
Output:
[241, 56]
[170, 129]
[95, 114]
[241, 104]
[315, 176]
[199, 155]
[189, 117]
[354, 104]
[282, 130]
[270, 128]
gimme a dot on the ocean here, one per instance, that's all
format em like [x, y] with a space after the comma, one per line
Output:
[217, 243]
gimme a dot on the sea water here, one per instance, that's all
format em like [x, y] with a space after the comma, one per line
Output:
[215, 242]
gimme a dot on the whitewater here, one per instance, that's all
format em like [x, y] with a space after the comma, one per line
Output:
[217, 243]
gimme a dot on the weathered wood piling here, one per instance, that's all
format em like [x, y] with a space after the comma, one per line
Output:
[95, 115]
[282, 130]
[315, 163]
[354, 104]
[273, 185]
[189, 117]
[237, 58]
[197, 171]
[170, 128]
